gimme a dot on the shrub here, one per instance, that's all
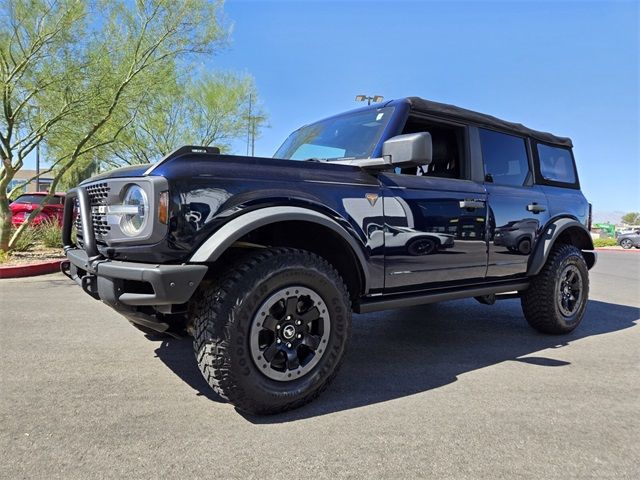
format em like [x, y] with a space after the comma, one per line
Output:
[605, 242]
[50, 234]
[4, 257]
[26, 241]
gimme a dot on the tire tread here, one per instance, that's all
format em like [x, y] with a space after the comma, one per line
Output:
[538, 301]
[214, 316]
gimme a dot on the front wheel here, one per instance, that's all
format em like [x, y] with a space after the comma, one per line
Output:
[626, 244]
[556, 299]
[270, 335]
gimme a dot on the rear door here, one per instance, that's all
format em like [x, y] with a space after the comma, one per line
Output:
[517, 209]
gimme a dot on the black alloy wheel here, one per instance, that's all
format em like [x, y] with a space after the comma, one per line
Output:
[569, 290]
[289, 333]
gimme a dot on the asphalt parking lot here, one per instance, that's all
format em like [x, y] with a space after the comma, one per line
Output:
[453, 390]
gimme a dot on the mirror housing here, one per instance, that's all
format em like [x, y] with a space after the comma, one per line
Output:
[409, 150]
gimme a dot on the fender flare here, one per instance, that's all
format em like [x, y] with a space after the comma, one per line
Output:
[230, 232]
[547, 239]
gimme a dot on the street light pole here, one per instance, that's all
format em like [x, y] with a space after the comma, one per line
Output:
[249, 140]
[38, 167]
[38, 157]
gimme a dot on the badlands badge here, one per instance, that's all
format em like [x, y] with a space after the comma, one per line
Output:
[372, 197]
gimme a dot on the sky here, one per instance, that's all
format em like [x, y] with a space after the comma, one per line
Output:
[570, 68]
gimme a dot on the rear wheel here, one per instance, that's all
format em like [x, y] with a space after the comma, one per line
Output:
[270, 335]
[556, 299]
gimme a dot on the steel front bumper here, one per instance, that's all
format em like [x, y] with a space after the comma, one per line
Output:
[121, 284]
[134, 284]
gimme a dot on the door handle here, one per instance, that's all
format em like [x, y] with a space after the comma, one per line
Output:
[472, 204]
[535, 208]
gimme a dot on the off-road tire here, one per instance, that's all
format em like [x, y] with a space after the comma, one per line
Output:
[540, 302]
[223, 315]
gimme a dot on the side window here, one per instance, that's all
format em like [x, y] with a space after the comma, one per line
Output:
[556, 164]
[505, 158]
[447, 149]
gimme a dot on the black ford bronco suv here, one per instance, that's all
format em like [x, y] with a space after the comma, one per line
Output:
[264, 260]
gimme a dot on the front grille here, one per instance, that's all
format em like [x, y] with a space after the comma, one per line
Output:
[98, 193]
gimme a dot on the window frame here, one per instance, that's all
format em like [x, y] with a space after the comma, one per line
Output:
[465, 151]
[539, 178]
[529, 179]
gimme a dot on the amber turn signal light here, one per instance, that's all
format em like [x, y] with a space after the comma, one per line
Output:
[163, 207]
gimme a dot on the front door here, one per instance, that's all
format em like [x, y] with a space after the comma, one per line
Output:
[434, 231]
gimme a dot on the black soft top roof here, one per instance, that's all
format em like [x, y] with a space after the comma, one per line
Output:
[457, 113]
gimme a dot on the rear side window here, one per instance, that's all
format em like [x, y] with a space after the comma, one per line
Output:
[505, 158]
[556, 164]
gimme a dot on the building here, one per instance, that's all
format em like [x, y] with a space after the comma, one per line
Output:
[24, 175]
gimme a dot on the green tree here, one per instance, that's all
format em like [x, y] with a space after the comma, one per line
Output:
[73, 85]
[631, 218]
[213, 109]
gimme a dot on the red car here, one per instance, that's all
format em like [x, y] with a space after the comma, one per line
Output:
[22, 207]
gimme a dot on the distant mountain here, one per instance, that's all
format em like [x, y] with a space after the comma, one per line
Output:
[603, 216]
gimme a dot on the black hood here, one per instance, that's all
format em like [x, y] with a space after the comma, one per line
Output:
[130, 171]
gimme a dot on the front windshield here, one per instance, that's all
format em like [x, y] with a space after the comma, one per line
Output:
[353, 135]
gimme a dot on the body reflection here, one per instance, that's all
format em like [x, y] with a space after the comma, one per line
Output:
[200, 205]
[432, 231]
[517, 237]
[408, 241]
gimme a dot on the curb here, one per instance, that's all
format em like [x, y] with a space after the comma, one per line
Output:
[613, 249]
[18, 271]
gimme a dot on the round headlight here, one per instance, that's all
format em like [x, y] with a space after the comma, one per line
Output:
[133, 223]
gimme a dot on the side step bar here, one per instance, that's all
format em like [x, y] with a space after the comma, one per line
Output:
[409, 300]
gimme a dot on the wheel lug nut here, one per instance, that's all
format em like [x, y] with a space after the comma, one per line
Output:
[299, 335]
[278, 340]
[298, 322]
[289, 345]
[277, 327]
[288, 317]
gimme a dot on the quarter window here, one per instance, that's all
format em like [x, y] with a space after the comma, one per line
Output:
[505, 158]
[556, 164]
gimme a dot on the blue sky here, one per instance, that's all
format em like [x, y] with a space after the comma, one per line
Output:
[570, 68]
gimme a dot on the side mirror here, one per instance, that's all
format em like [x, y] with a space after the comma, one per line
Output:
[408, 150]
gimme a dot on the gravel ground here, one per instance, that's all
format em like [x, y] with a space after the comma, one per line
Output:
[38, 255]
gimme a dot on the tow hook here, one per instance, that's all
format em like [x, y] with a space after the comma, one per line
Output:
[65, 267]
[89, 284]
